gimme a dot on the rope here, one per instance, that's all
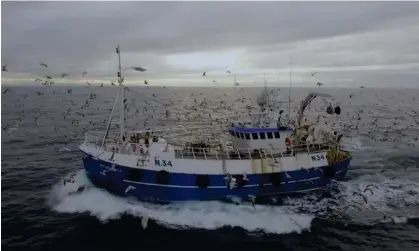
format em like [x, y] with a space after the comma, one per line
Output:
[155, 100]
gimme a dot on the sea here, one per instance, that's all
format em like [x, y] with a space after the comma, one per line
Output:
[42, 127]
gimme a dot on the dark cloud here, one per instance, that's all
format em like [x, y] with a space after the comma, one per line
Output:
[76, 36]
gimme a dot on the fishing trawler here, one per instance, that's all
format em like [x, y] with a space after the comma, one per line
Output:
[267, 157]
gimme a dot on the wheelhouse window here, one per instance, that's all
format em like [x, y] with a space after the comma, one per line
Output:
[277, 135]
[242, 135]
[270, 135]
[262, 135]
[255, 135]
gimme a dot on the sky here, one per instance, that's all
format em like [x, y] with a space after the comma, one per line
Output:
[349, 44]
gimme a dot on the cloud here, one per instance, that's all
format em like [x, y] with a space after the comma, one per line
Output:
[170, 38]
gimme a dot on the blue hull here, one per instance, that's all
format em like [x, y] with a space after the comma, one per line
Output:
[183, 187]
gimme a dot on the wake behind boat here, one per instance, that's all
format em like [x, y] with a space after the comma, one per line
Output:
[266, 158]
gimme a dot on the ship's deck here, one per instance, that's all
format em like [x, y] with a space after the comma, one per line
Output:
[211, 153]
[182, 152]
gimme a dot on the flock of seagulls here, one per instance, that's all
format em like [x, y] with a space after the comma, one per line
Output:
[195, 114]
[48, 78]
[204, 74]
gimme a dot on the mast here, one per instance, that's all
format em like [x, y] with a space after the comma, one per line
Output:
[110, 120]
[289, 94]
[121, 95]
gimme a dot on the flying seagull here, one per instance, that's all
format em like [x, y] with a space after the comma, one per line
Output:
[204, 74]
[42, 64]
[314, 73]
[145, 82]
[63, 75]
[228, 72]
[363, 196]
[4, 67]
[319, 84]
[84, 73]
[252, 199]
[138, 68]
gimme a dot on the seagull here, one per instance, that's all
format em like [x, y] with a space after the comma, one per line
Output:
[145, 82]
[252, 199]
[367, 189]
[388, 217]
[214, 81]
[231, 181]
[4, 92]
[63, 75]
[4, 67]
[138, 68]
[314, 73]
[42, 64]
[64, 149]
[363, 196]
[228, 72]
[129, 188]
[204, 74]
[144, 221]
[319, 84]
[84, 73]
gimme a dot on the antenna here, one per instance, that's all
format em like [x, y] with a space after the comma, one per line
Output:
[289, 93]
[121, 94]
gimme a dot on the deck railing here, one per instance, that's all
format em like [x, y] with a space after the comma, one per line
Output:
[210, 153]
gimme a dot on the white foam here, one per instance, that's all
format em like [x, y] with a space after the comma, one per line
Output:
[389, 202]
[353, 143]
[206, 215]
[389, 199]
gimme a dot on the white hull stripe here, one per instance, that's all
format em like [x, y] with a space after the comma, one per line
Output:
[217, 187]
